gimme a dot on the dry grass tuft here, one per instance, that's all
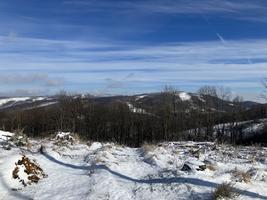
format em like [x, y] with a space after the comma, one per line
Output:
[211, 167]
[194, 152]
[224, 190]
[148, 147]
[98, 160]
[241, 176]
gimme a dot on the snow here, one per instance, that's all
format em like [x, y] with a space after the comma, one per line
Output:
[45, 104]
[95, 146]
[4, 136]
[61, 135]
[140, 97]
[201, 99]
[248, 128]
[136, 110]
[38, 99]
[110, 171]
[17, 99]
[64, 136]
[254, 128]
[184, 96]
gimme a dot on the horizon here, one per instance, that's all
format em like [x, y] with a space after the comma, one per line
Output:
[230, 97]
[132, 47]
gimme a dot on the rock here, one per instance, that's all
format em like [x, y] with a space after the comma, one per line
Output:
[261, 160]
[209, 162]
[7, 147]
[186, 168]
[191, 165]
[202, 167]
[42, 149]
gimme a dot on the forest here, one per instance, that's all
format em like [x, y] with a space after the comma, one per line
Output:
[113, 121]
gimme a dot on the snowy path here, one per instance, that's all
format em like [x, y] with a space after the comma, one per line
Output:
[108, 171]
[115, 185]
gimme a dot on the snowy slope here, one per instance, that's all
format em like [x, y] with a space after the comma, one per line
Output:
[135, 110]
[13, 100]
[26, 102]
[184, 96]
[109, 171]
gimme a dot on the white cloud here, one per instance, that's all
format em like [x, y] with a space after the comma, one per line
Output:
[221, 38]
[35, 78]
[239, 9]
[85, 63]
[24, 92]
[40, 51]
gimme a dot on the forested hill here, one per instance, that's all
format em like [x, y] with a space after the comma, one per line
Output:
[130, 120]
[149, 101]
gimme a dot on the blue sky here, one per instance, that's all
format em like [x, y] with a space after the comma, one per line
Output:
[132, 46]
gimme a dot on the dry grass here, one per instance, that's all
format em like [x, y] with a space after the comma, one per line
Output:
[225, 190]
[211, 167]
[31, 169]
[98, 160]
[76, 137]
[241, 176]
[61, 143]
[148, 147]
[18, 131]
[29, 145]
[194, 152]
[107, 147]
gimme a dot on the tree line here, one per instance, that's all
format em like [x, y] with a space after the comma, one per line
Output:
[115, 122]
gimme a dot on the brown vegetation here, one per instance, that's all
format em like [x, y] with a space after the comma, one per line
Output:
[241, 176]
[224, 190]
[33, 171]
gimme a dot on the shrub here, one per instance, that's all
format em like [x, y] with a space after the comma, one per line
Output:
[20, 139]
[241, 176]
[224, 190]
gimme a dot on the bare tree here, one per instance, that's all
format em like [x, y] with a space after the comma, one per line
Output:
[209, 119]
[171, 94]
[224, 93]
[208, 90]
[264, 83]
[238, 99]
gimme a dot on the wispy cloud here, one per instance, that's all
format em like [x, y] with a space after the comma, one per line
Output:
[223, 41]
[45, 52]
[24, 79]
[85, 63]
[239, 9]
[132, 46]
[24, 92]
[173, 6]
[118, 83]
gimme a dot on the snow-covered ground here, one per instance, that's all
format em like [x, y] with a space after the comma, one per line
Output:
[184, 96]
[9, 102]
[14, 100]
[108, 171]
[135, 110]
[247, 128]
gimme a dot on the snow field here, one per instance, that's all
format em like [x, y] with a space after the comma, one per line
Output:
[110, 171]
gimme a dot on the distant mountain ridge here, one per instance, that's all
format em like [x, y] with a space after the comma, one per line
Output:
[147, 101]
[12, 103]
